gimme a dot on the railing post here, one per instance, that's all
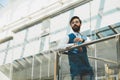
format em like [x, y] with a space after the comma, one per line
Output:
[56, 66]
[118, 54]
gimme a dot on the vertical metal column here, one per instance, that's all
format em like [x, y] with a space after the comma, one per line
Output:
[118, 48]
[98, 23]
[6, 52]
[25, 41]
[118, 54]
[45, 26]
[56, 66]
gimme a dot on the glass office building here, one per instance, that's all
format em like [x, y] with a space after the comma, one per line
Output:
[30, 31]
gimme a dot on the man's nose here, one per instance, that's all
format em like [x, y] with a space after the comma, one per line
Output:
[75, 24]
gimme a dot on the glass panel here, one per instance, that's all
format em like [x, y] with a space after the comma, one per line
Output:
[117, 29]
[39, 4]
[3, 46]
[106, 56]
[34, 31]
[22, 6]
[59, 22]
[43, 66]
[46, 43]
[88, 26]
[110, 19]
[6, 72]
[111, 4]
[35, 5]
[37, 68]
[22, 69]
[85, 13]
[18, 38]
[9, 57]
[32, 48]
[17, 53]
[54, 37]
[102, 58]
[2, 57]
[109, 48]
[65, 68]
[106, 33]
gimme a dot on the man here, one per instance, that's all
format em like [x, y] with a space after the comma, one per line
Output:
[78, 60]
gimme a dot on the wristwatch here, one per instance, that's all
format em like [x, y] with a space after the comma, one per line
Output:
[83, 41]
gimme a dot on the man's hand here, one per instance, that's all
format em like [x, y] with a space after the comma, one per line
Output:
[69, 47]
[78, 40]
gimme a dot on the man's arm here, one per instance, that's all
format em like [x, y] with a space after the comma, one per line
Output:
[63, 43]
[84, 41]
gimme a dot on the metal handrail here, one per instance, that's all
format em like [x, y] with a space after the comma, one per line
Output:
[89, 43]
[93, 42]
[103, 59]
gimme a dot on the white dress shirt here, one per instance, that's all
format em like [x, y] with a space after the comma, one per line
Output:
[63, 43]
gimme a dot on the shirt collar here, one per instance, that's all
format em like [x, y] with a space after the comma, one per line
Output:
[75, 33]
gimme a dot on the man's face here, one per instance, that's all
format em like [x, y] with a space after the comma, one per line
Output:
[75, 24]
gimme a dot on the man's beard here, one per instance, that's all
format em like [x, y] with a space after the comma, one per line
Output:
[76, 28]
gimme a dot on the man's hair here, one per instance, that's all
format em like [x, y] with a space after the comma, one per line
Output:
[75, 17]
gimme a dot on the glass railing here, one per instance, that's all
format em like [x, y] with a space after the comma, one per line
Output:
[104, 57]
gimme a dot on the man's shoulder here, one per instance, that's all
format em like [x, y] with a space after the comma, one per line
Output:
[71, 35]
